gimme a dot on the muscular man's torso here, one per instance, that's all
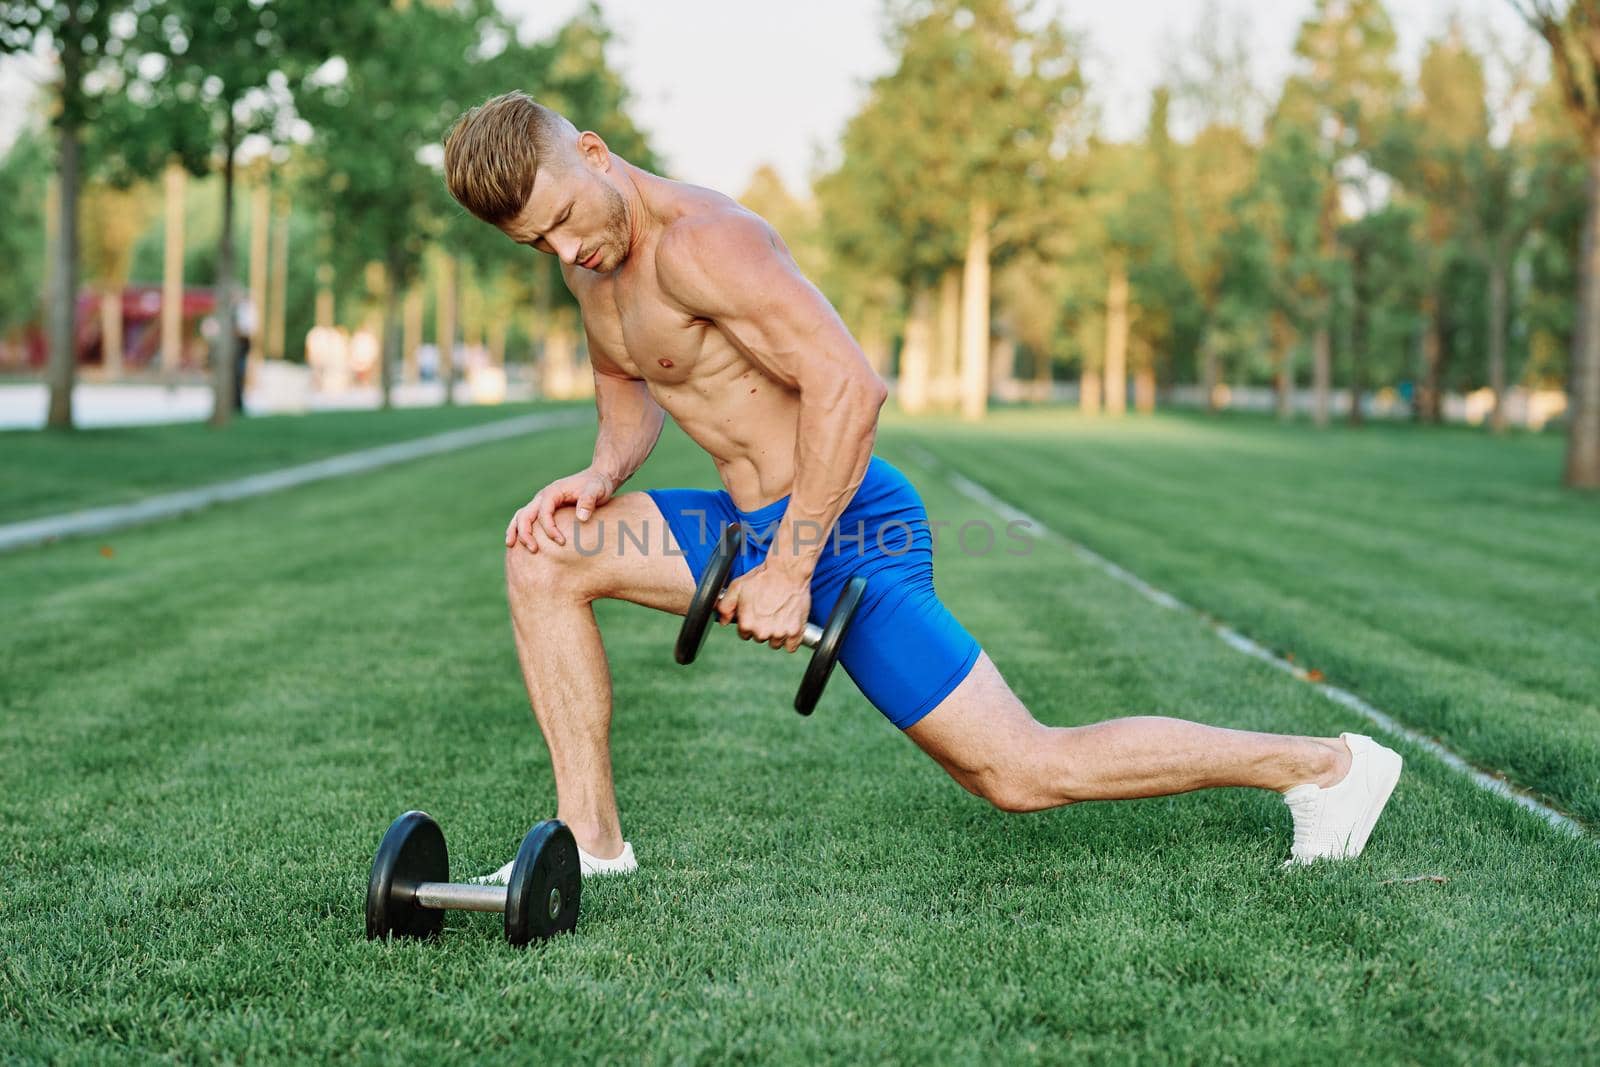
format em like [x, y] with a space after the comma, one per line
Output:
[723, 400]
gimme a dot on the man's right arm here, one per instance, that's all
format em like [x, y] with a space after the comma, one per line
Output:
[630, 425]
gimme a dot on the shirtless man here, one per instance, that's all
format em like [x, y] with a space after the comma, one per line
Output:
[694, 308]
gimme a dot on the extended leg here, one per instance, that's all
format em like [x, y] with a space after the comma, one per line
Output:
[986, 739]
[552, 592]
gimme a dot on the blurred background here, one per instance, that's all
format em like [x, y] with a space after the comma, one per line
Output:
[1325, 210]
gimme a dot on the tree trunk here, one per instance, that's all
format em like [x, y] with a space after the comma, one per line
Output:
[1360, 330]
[1583, 381]
[1208, 373]
[325, 313]
[1089, 392]
[172, 272]
[874, 339]
[260, 266]
[1043, 377]
[1429, 406]
[1116, 365]
[1497, 336]
[975, 314]
[1144, 387]
[47, 273]
[111, 330]
[1003, 366]
[62, 370]
[560, 355]
[411, 335]
[496, 340]
[446, 325]
[1321, 373]
[542, 284]
[916, 353]
[947, 351]
[471, 303]
[1283, 365]
[222, 365]
[389, 352]
[274, 317]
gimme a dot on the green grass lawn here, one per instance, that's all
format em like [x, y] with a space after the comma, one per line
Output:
[45, 473]
[207, 732]
[1441, 574]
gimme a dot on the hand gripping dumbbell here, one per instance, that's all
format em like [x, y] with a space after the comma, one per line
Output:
[824, 641]
[408, 893]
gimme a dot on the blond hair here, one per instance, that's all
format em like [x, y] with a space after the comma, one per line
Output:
[494, 151]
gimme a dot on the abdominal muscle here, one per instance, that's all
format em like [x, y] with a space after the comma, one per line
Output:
[744, 419]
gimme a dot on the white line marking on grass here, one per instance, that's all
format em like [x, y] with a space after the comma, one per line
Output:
[1240, 643]
[98, 520]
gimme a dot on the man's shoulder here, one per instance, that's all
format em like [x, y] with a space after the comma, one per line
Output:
[708, 242]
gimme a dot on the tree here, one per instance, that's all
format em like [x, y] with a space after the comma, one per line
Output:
[1295, 169]
[223, 68]
[1385, 284]
[80, 33]
[953, 147]
[1572, 29]
[366, 169]
[1346, 90]
[1433, 150]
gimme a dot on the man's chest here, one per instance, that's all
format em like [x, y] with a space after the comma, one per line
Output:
[635, 326]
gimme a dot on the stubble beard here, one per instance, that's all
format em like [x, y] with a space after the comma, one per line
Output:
[616, 238]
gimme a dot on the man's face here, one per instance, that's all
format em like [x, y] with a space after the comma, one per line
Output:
[576, 214]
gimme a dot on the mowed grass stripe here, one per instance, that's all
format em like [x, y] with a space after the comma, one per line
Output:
[1541, 598]
[1505, 690]
[46, 473]
[188, 834]
[1381, 720]
[1456, 487]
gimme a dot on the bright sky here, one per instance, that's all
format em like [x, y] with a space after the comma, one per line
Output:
[726, 85]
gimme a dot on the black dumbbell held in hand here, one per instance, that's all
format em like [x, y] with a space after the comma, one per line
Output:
[407, 893]
[824, 641]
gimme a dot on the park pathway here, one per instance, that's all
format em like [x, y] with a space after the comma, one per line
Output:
[166, 505]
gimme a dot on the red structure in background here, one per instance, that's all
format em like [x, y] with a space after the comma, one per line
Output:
[141, 329]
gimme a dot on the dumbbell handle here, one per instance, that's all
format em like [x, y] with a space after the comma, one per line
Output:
[462, 897]
[811, 635]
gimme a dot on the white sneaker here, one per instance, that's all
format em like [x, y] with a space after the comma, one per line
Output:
[590, 866]
[1335, 822]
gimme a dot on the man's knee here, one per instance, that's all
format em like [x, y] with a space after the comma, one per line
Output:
[1030, 777]
[1011, 791]
[555, 569]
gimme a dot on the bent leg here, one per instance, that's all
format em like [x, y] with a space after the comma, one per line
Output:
[989, 743]
[625, 552]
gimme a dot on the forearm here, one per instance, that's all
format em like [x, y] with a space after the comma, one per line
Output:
[630, 425]
[837, 427]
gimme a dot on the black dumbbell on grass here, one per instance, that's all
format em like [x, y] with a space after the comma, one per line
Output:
[824, 641]
[408, 892]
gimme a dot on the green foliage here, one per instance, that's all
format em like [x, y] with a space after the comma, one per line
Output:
[380, 200]
[85, 37]
[24, 175]
[982, 105]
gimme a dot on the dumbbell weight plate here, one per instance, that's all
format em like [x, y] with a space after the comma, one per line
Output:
[697, 620]
[546, 882]
[412, 852]
[826, 653]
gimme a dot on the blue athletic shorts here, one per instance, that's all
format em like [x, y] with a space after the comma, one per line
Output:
[904, 649]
